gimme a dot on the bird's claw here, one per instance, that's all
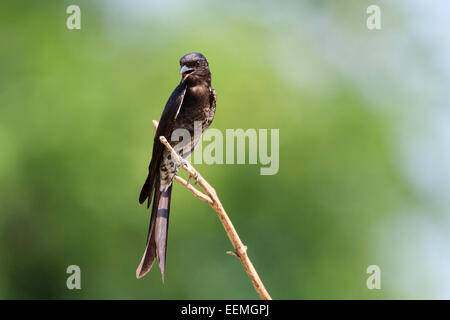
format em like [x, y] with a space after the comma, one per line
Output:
[184, 163]
[195, 178]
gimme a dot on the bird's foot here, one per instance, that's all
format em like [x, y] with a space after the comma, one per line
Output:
[195, 178]
[184, 162]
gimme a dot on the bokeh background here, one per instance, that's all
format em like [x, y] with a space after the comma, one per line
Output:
[364, 125]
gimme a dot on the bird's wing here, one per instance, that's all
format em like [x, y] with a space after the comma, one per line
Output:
[165, 128]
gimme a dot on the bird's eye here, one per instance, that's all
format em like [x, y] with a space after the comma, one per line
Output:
[198, 63]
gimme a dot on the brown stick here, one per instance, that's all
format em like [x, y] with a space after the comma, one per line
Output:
[211, 198]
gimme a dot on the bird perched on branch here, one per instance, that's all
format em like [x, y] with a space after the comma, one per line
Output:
[192, 102]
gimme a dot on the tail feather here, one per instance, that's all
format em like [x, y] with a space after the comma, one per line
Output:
[157, 235]
[162, 227]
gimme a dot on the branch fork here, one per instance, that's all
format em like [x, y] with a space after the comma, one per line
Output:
[210, 197]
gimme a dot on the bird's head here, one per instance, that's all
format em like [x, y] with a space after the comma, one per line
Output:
[194, 68]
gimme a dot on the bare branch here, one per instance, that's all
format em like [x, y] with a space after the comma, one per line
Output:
[211, 198]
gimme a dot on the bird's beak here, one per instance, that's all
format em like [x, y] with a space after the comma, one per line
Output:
[184, 71]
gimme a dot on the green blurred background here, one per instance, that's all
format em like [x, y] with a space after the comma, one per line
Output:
[364, 148]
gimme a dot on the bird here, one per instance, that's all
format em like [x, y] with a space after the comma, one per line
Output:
[192, 103]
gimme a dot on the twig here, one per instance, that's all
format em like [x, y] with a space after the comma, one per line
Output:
[211, 198]
[196, 192]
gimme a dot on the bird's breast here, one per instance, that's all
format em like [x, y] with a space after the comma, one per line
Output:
[199, 95]
[195, 105]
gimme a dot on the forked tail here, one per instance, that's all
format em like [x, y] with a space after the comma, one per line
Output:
[157, 234]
